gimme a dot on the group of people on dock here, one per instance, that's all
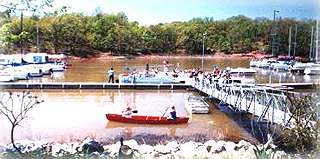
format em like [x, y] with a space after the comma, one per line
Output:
[195, 74]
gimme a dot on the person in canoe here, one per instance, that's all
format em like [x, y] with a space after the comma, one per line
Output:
[173, 113]
[127, 113]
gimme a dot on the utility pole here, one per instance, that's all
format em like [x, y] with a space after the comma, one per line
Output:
[311, 46]
[295, 40]
[289, 49]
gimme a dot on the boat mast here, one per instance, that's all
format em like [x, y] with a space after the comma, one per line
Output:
[289, 50]
[311, 46]
[38, 49]
[295, 41]
[317, 42]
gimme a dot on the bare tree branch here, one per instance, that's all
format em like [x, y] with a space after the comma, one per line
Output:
[15, 107]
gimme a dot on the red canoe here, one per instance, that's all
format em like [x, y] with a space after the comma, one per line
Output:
[139, 119]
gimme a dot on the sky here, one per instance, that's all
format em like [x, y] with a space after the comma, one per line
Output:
[148, 12]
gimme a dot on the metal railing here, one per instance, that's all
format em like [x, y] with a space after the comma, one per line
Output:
[264, 102]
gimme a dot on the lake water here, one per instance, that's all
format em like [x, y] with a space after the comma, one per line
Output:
[68, 115]
[95, 70]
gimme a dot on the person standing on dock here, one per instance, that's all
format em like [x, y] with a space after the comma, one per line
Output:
[111, 75]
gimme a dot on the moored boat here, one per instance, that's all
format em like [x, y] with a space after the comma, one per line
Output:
[281, 66]
[299, 67]
[313, 70]
[242, 71]
[6, 76]
[158, 78]
[141, 119]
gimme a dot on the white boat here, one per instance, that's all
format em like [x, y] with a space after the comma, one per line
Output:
[6, 76]
[314, 69]
[300, 67]
[10, 59]
[147, 78]
[281, 66]
[36, 58]
[196, 105]
[235, 81]
[34, 70]
[266, 63]
[19, 72]
[242, 71]
[41, 61]
[58, 66]
[254, 63]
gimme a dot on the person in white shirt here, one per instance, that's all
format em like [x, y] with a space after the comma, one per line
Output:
[111, 75]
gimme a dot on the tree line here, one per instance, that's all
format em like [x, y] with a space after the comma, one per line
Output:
[82, 35]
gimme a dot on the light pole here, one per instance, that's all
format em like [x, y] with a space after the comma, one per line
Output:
[203, 38]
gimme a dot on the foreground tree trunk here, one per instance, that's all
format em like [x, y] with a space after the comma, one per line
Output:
[12, 139]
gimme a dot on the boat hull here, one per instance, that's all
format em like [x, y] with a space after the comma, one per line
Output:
[137, 119]
[312, 71]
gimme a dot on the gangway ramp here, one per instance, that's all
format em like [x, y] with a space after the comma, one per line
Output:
[262, 101]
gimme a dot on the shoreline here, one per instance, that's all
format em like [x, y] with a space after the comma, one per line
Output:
[90, 147]
[108, 56]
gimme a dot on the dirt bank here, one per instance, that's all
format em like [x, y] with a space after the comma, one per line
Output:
[109, 56]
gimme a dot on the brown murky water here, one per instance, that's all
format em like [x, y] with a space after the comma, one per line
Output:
[95, 70]
[68, 115]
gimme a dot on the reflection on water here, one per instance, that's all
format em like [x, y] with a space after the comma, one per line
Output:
[68, 115]
[95, 70]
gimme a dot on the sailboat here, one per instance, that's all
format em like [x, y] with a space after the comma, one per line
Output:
[315, 68]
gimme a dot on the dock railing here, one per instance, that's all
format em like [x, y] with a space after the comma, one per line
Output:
[264, 102]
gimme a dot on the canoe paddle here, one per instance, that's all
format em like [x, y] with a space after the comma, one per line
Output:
[165, 112]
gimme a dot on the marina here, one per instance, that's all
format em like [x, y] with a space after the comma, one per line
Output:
[159, 80]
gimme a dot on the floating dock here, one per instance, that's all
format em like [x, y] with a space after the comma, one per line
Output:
[292, 85]
[101, 85]
[196, 105]
[86, 85]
